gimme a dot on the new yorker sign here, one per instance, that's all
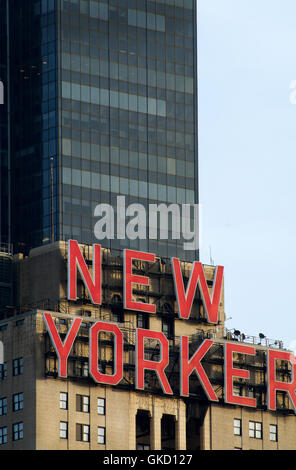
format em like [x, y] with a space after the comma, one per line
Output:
[184, 297]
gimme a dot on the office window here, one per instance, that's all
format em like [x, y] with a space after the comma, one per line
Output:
[82, 369]
[142, 321]
[273, 432]
[82, 432]
[168, 328]
[85, 433]
[255, 430]
[85, 369]
[63, 400]
[82, 403]
[63, 430]
[3, 435]
[18, 366]
[237, 427]
[143, 447]
[251, 392]
[18, 431]
[18, 401]
[101, 406]
[118, 317]
[237, 390]
[3, 406]
[101, 435]
[85, 404]
[3, 371]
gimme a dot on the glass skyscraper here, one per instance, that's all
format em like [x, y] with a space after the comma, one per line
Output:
[4, 179]
[103, 103]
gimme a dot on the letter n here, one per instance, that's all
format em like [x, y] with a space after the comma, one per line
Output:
[75, 259]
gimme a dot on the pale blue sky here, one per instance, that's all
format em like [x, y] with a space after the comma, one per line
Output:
[247, 158]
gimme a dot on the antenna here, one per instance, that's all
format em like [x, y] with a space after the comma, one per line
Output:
[211, 259]
[51, 199]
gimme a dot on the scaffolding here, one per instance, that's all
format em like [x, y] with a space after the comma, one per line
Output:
[160, 291]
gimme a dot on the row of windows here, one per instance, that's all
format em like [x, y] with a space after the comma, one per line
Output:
[141, 19]
[78, 207]
[170, 140]
[166, 249]
[120, 158]
[179, 106]
[126, 158]
[135, 135]
[120, 46]
[127, 186]
[83, 432]
[83, 403]
[92, 8]
[255, 430]
[169, 249]
[115, 99]
[89, 33]
[95, 38]
[87, 7]
[180, 117]
[136, 79]
[130, 17]
[145, 51]
[131, 53]
[17, 403]
[44, 7]
[17, 368]
[17, 433]
[118, 317]
[167, 324]
[128, 73]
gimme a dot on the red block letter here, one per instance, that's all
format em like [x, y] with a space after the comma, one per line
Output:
[230, 372]
[159, 367]
[188, 366]
[94, 356]
[130, 278]
[75, 258]
[185, 300]
[273, 384]
[62, 349]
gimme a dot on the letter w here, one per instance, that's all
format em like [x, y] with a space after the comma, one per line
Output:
[75, 258]
[185, 300]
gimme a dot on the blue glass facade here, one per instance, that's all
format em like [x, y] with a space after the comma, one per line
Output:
[4, 187]
[109, 90]
[34, 119]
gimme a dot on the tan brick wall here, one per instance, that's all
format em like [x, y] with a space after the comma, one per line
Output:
[18, 343]
[119, 421]
[218, 429]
